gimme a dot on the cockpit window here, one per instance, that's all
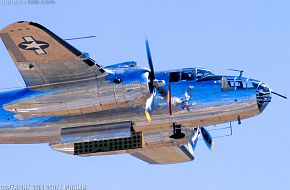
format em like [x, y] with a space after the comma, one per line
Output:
[187, 75]
[250, 84]
[202, 73]
[237, 84]
[191, 74]
[174, 76]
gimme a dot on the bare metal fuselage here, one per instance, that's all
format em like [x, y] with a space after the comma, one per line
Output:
[39, 115]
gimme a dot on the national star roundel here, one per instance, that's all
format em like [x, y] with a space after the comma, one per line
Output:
[34, 45]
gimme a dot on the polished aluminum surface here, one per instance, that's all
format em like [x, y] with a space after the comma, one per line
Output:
[96, 132]
[70, 98]
[208, 105]
[86, 96]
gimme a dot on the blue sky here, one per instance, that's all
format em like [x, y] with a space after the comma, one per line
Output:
[219, 35]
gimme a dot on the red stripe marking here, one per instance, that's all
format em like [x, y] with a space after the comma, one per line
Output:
[169, 99]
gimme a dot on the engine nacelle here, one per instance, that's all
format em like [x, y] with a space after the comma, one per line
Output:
[125, 87]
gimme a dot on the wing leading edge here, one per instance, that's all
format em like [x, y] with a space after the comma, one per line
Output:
[44, 58]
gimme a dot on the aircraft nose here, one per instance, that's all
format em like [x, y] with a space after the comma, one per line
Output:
[263, 94]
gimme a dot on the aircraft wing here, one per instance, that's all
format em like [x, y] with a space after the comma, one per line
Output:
[44, 58]
[164, 155]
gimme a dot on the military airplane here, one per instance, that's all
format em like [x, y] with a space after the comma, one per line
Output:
[82, 108]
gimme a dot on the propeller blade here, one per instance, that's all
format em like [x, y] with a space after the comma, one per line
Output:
[150, 62]
[149, 102]
[193, 140]
[148, 107]
[285, 97]
[207, 138]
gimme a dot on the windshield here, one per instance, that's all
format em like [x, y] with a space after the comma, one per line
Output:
[203, 73]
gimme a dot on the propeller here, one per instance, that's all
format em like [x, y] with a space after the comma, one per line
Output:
[153, 85]
[150, 62]
[193, 140]
[207, 138]
[194, 137]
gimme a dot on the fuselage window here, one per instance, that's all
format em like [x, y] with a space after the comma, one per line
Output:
[187, 75]
[174, 76]
[236, 84]
[250, 84]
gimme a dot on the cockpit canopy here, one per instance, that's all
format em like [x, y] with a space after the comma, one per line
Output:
[203, 73]
[189, 74]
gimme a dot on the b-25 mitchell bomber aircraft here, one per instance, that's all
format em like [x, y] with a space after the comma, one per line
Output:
[82, 108]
